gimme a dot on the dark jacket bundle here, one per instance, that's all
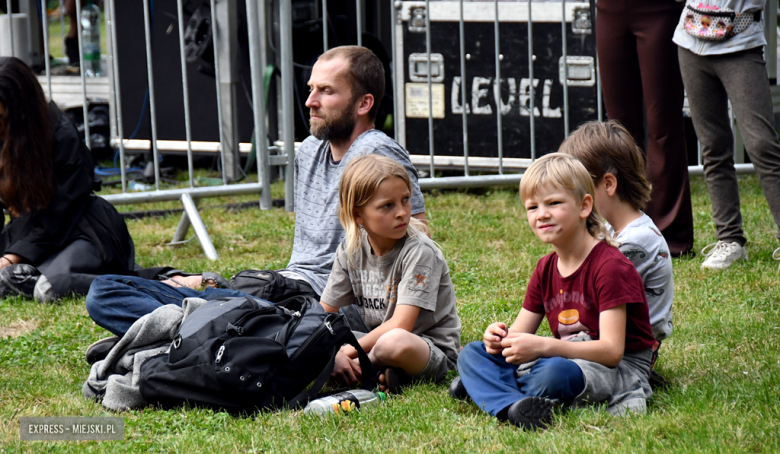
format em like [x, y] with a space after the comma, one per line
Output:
[74, 213]
[245, 354]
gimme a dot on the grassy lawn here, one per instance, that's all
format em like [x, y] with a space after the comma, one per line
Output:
[722, 359]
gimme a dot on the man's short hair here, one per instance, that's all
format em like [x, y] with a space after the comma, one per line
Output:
[365, 72]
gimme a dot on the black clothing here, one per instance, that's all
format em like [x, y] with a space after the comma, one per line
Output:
[74, 213]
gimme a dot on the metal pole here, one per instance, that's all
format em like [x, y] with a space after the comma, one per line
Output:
[462, 31]
[359, 14]
[152, 108]
[83, 77]
[288, 123]
[185, 91]
[256, 42]
[10, 25]
[430, 85]
[45, 24]
[599, 94]
[198, 227]
[565, 72]
[118, 97]
[62, 28]
[531, 91]
[497, 89]
[324, 25]
[396, 94]
[223, 149]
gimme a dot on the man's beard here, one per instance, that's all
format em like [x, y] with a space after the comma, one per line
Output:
[338, 129]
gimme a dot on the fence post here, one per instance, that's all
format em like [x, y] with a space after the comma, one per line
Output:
[288, 108]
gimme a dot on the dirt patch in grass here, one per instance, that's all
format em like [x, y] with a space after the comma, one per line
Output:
[18, 328]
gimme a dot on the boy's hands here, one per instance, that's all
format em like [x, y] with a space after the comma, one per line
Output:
[346, 370]
[522, 347]
[493, 336]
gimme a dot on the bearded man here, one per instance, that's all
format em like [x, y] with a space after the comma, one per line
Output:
[346, 86]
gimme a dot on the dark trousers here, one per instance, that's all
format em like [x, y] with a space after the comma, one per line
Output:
[638, 65]
[711, 82]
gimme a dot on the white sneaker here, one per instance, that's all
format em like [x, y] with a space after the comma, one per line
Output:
[722, 255]
[776, 256]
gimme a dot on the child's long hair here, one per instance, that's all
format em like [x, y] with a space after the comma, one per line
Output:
[359, 183]
[607, 147]
[563, 171]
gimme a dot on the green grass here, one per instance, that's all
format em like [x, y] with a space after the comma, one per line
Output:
[722, 359]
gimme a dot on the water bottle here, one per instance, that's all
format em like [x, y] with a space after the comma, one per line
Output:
[345, 402]
[90, 38]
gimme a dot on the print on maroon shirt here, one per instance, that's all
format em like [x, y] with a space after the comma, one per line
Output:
[572, 304]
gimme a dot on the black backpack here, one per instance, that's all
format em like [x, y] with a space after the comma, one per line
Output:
[243, 354]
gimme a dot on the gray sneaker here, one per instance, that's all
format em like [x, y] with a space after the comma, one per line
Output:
[722, 255]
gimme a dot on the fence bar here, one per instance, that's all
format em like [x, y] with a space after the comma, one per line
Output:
[10, 25]
[396, 95]
[462, 30]
[531, 88]
[565, 72]
[324, 25]
[599, 108]
[288, 119]
[497, 90]
[152, 105]
[223, 147]
[198, 227]
[359, 17]
[114, 59]
[47, 63]
[256, 64]
[62, 28]
[430, 85]
[168, 195]
[186, 91]
[83, 76]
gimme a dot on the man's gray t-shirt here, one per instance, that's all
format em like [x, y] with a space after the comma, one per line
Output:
[642, 243]
[413, 273]
[317, 228]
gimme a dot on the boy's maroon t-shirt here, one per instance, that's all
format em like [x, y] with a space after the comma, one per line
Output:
[572, 304]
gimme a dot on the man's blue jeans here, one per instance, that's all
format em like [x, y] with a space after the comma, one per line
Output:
[493, 384]
[116, 302]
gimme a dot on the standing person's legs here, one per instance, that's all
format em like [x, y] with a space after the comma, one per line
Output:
[621, 80]
[744, 77]
[667, 162]
[709, 110]
[493, 385]
[116, 302]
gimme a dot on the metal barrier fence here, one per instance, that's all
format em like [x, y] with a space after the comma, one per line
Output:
[406, 17]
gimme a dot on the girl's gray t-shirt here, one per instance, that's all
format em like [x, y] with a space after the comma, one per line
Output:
[415, 273]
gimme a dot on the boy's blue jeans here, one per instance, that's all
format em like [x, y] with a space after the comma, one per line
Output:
[116, 302]
[493, 385]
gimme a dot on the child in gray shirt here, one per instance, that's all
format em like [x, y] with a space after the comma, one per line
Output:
[395, 275]
[617, 167]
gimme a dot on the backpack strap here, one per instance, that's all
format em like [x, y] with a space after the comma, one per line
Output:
[368, 382]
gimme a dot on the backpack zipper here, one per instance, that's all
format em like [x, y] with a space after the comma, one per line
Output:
[326, 326]
[219, 354]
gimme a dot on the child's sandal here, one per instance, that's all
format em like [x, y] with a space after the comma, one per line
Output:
[395, 379]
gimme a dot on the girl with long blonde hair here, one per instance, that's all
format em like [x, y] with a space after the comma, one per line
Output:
[396, 277]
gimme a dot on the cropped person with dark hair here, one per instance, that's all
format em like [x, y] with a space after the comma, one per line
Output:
[60, 236]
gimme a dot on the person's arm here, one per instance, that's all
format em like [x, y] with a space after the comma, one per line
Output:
[607, 350]
[525, 322]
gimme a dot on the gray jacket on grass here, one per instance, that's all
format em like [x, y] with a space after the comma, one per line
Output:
[117, 377]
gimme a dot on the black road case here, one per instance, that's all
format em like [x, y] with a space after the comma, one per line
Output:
[549, 72]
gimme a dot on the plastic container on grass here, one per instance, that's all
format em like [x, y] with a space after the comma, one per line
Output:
[345, 402]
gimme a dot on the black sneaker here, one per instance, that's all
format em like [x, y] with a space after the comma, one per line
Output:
[532, 413]
[100, 349]
[657, 381]
[457, 390]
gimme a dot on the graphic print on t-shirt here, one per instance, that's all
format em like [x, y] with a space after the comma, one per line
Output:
[569, 323]
[375, 295]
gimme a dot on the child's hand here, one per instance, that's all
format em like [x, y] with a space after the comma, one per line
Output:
[346, 371]
[521, 348]
[493, 335]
